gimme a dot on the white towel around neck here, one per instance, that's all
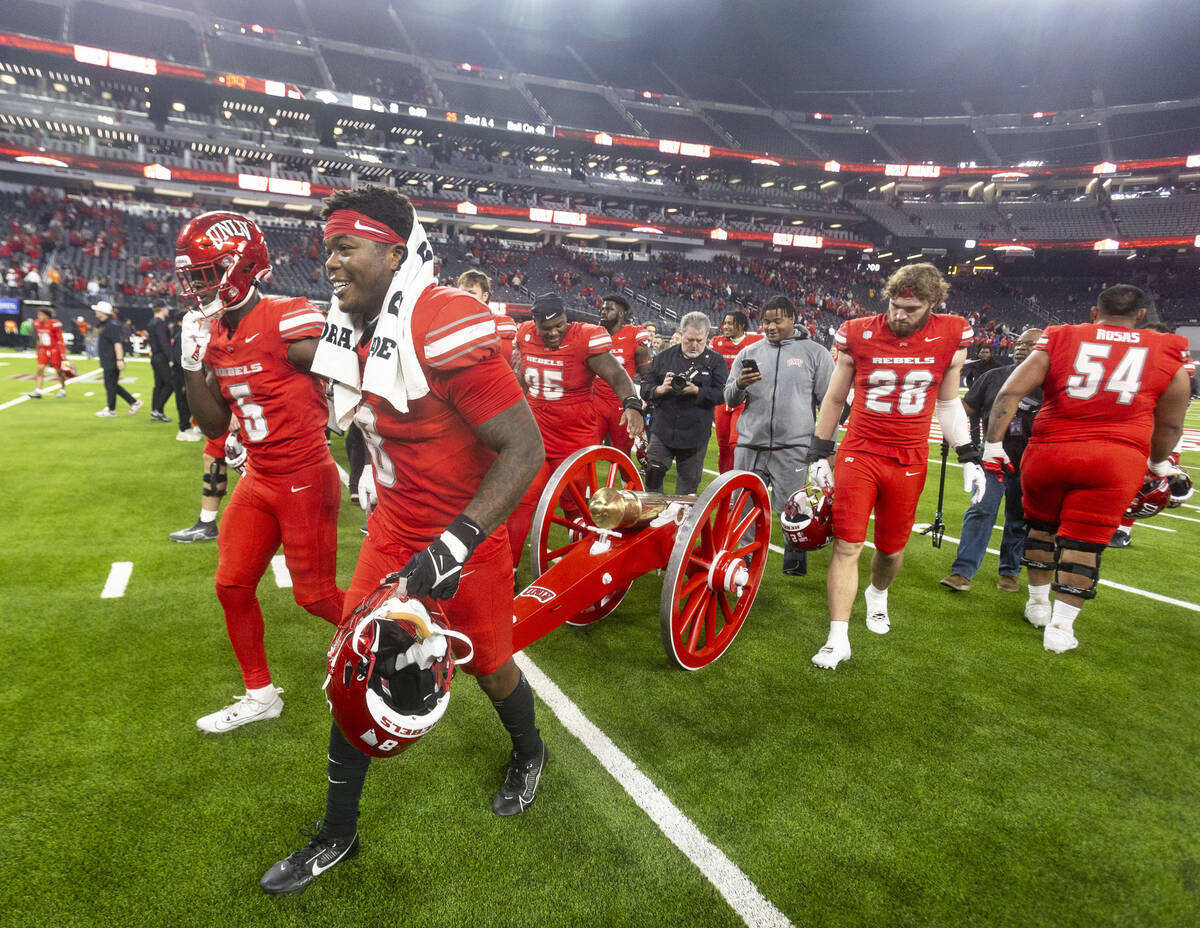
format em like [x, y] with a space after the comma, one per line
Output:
[393, 369]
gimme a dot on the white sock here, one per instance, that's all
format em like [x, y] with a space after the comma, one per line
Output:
[263, 693]
[1039, 593]
[1063, 615]
[208, 515]
[839, 634]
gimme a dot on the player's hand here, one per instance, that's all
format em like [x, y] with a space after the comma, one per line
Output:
[194, 334]
[996, 461]
[974, 481]
[820, 474]
[235, 454]
[634, 424]
[435, 571]
[368, 498]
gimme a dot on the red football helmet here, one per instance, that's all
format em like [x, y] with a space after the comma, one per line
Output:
[389, 671]
[807, 518]
[1151, 499]
[219, 258]
[68, 369]
[1180, 485]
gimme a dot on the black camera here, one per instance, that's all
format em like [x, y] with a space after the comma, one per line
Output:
[680, 381]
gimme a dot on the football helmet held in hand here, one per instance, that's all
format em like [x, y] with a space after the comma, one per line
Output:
[389, 670]
[1180, 486]
[220, 257]
[807, 518]
[1151, 499]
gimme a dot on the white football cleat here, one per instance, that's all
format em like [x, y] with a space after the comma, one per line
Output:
[877, 613]
[831, 655]
[1058, 639]
[1037, 614]
[247, 709]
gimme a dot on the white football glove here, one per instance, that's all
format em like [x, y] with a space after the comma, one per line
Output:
[974, 481]
[235, 454]
[820, 474]
[367, 497]
[194, 333]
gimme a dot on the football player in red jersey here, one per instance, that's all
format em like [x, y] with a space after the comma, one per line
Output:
[733, 338]
[1113, 400]
[51, 351]
[479, 285]
[631, 347]
[451, 459]
[556, 361]
[258, 351]
[902, 364]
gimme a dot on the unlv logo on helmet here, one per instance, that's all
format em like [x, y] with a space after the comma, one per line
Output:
[221, 232]
[220, 257]
[807, 518]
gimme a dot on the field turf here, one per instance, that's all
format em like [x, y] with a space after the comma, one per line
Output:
[952, 773]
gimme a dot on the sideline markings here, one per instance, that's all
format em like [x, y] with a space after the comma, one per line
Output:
[118, 579]
[736, 888]
[283, 577]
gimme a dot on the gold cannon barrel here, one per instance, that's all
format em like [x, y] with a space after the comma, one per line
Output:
[612, 508]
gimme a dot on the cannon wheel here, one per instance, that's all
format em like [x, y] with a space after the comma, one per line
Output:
[593, 468]
[701, 611]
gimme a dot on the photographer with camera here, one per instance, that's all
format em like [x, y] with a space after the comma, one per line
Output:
[781, 380]
[683, 386]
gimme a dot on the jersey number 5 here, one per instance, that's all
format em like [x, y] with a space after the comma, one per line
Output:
[544, 385]
[254, 421]
[1125, 380]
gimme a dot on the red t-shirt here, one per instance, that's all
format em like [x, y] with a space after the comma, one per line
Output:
[896, 382]
[625, 343]
[50, 335]
[281, 410]
[428, 461]
[559, 384]
[1104, 382]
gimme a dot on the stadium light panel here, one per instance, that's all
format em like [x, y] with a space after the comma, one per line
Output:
[7, 79]
[969, 243]
[179, 106]
[113, 185]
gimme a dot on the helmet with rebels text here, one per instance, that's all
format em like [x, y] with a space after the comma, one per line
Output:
[220, 257]
[389, 670]
[1151, 499]
[807, 518]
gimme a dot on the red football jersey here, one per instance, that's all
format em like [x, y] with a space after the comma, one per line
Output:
[560, 384]
[50, 335]
[506, 331]
[625, 343]
[281, 410]
[1104, 381]
[728, 348]
[428, 462]
[896, 382]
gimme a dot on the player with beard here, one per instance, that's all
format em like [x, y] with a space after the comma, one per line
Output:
[631, 347]
[453, 445]
[733, 338]
[902, 364]
[556, 361]
[258, 351]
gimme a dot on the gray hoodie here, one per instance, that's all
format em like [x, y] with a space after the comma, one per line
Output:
[780, 408]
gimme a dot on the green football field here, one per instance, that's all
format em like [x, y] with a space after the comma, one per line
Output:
[951, 773]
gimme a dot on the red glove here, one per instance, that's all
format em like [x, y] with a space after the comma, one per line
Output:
[995, 461]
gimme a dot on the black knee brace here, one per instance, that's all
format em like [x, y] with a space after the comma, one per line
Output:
[215, 480]
[1037, 544]
[1075, 567]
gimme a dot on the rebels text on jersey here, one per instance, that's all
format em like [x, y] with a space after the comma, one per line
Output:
[559, 384]
[896, 382]
[1104, 382]
[281, 410]
[428, 461]
[624, 348]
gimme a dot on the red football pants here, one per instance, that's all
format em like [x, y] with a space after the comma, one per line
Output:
[300, 511]
[864, 482]
[1084, 489]
[725, 420]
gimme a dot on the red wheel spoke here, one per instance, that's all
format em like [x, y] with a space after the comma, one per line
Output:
[748, 549]
[739, 531]
[703, 601]
[593, 473]
[723, 602]
[613, 472]
[559, 552]
[693, 584]
[577, 496]
[688, 614]
[564, 522]
[710, 623]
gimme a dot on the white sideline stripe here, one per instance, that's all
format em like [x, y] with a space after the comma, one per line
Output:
[1183, 604]
[1171, 515]
[25, 398]
[283, 577]
[741, 894]
[118, 579]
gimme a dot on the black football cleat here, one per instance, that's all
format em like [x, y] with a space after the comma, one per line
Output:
[201, 531]
[521, 779]
[295, 872]
[1120, 539]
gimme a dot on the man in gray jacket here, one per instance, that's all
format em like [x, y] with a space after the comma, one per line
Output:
[781, 380]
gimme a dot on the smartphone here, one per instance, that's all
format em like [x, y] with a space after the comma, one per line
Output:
[750, 365]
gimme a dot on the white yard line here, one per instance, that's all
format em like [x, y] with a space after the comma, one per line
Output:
[118, 579]
[283, 577]
[737, 889]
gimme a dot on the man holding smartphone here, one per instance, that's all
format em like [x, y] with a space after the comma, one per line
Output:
[780, 380]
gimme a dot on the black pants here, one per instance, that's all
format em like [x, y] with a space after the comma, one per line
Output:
[181, 401]
[689, 465]
[164, 386]
[112, 389]
[356, 454]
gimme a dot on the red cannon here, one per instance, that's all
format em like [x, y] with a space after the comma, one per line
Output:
[595, 531]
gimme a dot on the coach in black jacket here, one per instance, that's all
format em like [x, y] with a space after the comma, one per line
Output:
[683, 386]
[159, 336]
